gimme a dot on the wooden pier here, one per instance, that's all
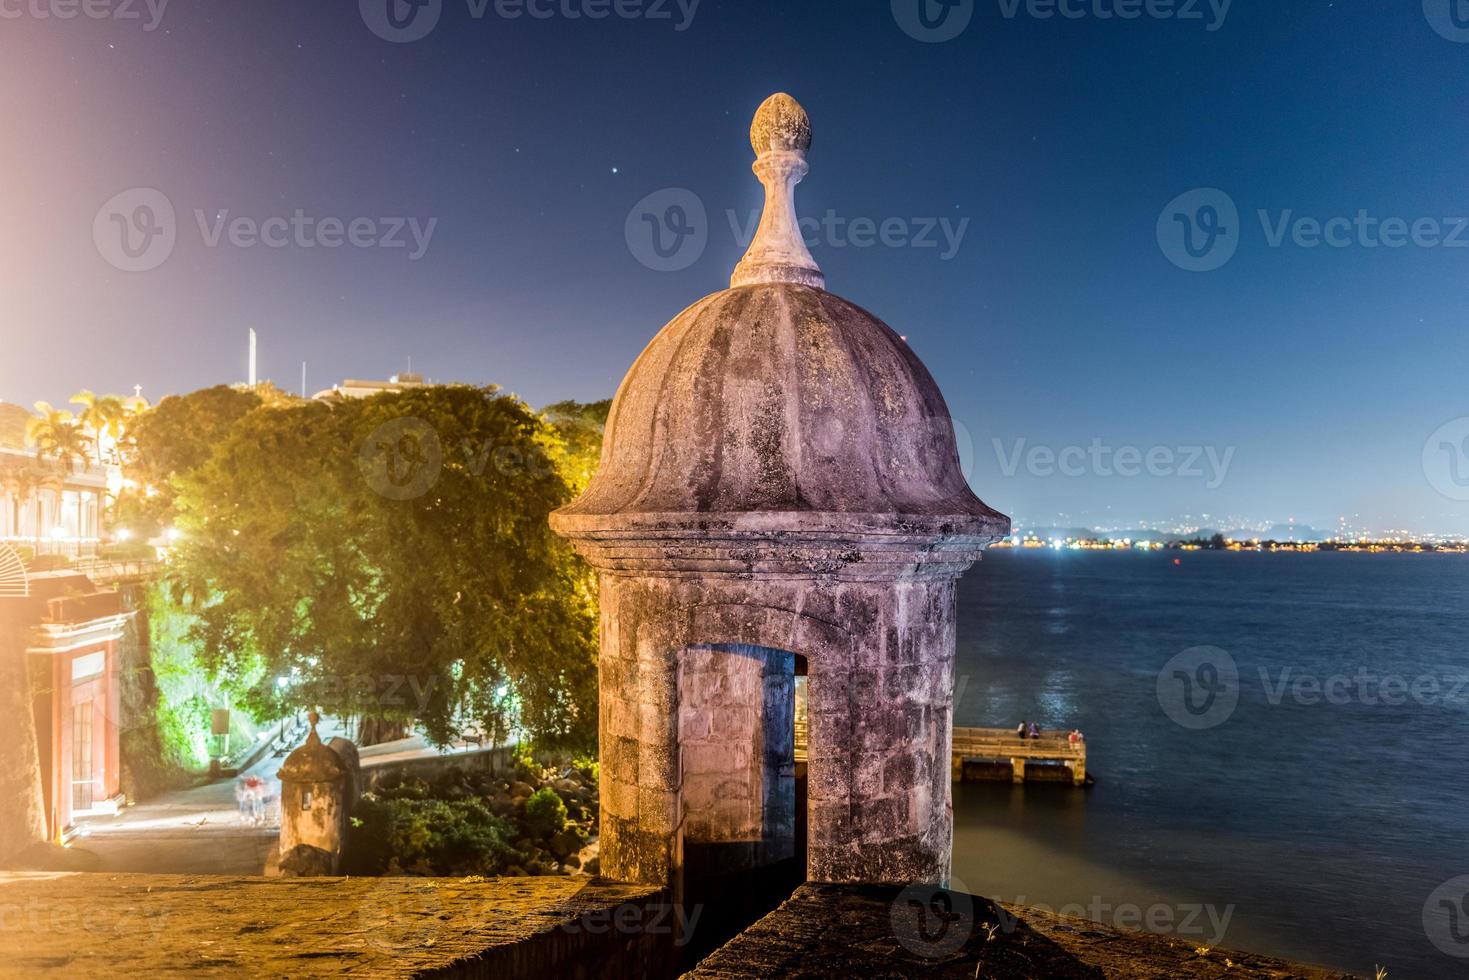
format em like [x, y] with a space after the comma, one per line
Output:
[1044, 754]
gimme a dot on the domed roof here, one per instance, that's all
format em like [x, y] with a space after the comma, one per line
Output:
[778, 397]
[776, 411]
[313, 762]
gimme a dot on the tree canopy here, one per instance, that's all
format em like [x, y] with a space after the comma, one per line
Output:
[390, 557]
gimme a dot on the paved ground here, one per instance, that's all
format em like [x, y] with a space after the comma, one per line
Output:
[88, 925]
[192, 831]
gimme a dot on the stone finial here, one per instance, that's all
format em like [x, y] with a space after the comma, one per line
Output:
[780, 124]
[780, 135]
[314, 717]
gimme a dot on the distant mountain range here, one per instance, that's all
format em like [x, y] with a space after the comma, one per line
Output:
[1277, 532]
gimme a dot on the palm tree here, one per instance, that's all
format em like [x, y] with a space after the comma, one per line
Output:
[25, 481]
[58, 436]
[101, 413]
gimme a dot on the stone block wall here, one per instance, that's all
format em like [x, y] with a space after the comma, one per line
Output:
[737, 785]
[22, 812]
[880, 702]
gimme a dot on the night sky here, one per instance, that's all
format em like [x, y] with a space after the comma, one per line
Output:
[1048, 147]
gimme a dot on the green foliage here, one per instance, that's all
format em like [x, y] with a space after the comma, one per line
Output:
[545, 813]
[434, 836]
[403, 537]
[173, 439]
[579, 427]
[186, 693]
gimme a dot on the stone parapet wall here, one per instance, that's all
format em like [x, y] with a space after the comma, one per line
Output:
[165, 925]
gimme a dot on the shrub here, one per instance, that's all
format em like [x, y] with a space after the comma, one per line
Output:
[545, 814]
[453, 837]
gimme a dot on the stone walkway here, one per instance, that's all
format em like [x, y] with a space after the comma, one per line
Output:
[191, 831]
[94, 925]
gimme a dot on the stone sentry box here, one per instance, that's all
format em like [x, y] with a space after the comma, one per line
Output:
[779, 478]
[319, 786]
